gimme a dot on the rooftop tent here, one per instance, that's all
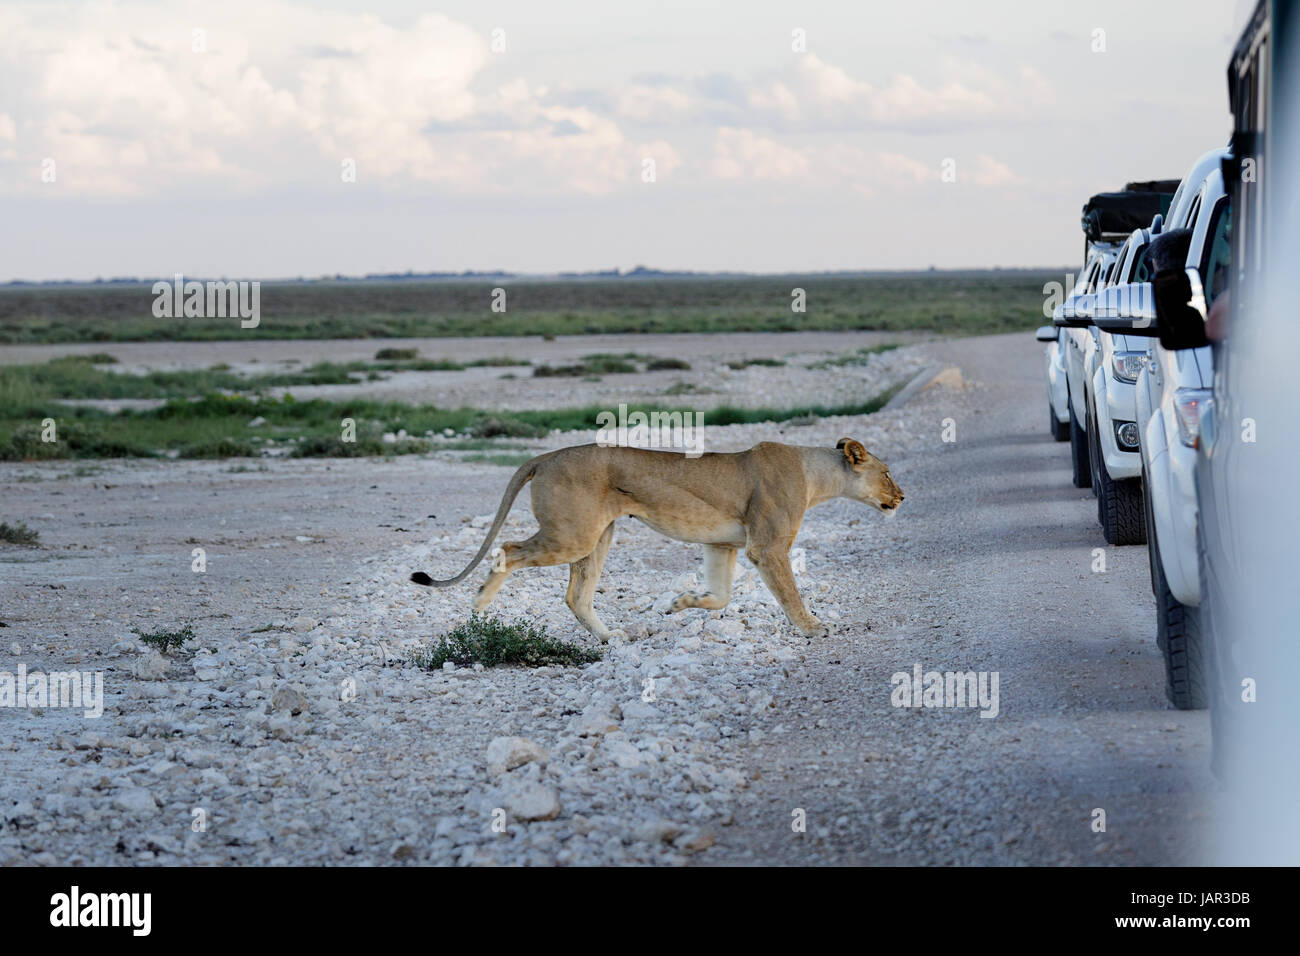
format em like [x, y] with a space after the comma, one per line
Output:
[1115, 215]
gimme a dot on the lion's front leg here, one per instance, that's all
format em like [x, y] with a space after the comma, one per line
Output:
[719, 566]
[773, 564]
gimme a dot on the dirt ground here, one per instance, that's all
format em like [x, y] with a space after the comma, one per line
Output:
[747, 729]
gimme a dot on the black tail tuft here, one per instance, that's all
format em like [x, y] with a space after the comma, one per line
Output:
[419, 577]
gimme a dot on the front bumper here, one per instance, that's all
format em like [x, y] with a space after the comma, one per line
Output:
[1057, 392]
[1115, 401]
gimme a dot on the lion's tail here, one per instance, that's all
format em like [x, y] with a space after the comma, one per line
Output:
[521, 478]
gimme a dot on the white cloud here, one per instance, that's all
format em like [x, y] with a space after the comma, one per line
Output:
[282, 94]
[743, 154]
[644, 102]
[990, 172]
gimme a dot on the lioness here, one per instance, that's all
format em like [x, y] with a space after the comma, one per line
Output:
[753, 499]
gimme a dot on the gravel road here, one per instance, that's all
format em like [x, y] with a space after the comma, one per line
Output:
[300, 733]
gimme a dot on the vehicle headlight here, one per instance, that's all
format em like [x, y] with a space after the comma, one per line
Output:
[1189, 405]
[1127, 365]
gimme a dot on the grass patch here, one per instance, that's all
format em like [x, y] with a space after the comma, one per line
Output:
[856, 357]
[396, 355]
[663, 364]
[746, 363]
[486, 639]
[591, 367]
[479, 444]
[689, 388]
[19, 533]
[216, 426]
[164, 641]
[954, 303]
[77, 377]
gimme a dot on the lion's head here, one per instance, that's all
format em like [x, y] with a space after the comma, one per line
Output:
[870, 480]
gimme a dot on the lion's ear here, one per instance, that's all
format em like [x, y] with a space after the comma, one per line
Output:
[854, 451]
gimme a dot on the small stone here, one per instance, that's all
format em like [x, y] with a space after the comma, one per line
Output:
[531, 801]
[150, 666]
[694, 841]
[303, 623]
[593, 723]
[289, 700]
[507, 753]
[135, 800]
[658, 831]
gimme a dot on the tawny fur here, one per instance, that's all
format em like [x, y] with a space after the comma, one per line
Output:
[752, 499]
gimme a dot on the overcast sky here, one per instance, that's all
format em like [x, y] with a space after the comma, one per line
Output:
[224, 152]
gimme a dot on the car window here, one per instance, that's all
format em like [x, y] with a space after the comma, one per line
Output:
[1141, 271]
[1217, 266]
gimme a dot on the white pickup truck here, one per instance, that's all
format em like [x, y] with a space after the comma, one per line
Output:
[1100, 257]
[1071, 314]
[1172, 390]
[1111, 365]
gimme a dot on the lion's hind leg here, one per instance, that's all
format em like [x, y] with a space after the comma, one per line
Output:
[719, 566]
[584, 574]
[539, 551]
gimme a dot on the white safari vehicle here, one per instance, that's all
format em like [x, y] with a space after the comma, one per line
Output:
[1172, 390]
[1072, 317]
[1111, 365]
[1058, 389]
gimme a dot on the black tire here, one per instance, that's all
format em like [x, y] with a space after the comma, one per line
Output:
[1095, 461]
[1079, 465]
[1058, 429]
[1123, 517]
[1178, 635]
[1121, 511]
[1093, 458]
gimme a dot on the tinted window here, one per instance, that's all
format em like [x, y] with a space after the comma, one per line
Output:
[1217, 267]
[1141, 271]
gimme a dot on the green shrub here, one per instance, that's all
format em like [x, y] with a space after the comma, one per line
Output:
[485, 639]
[18, 533]
[164, 641]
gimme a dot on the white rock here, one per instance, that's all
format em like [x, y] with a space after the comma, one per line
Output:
[150, 666]
[619, 749]
[530, 801]
[593, 722]
[289, 700]
[134, 800]
[507, 753]
[658, 831]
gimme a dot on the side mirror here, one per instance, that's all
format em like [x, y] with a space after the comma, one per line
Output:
[1180, 305]
[1128, 309]
[1046, 333]
[1074, 313]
